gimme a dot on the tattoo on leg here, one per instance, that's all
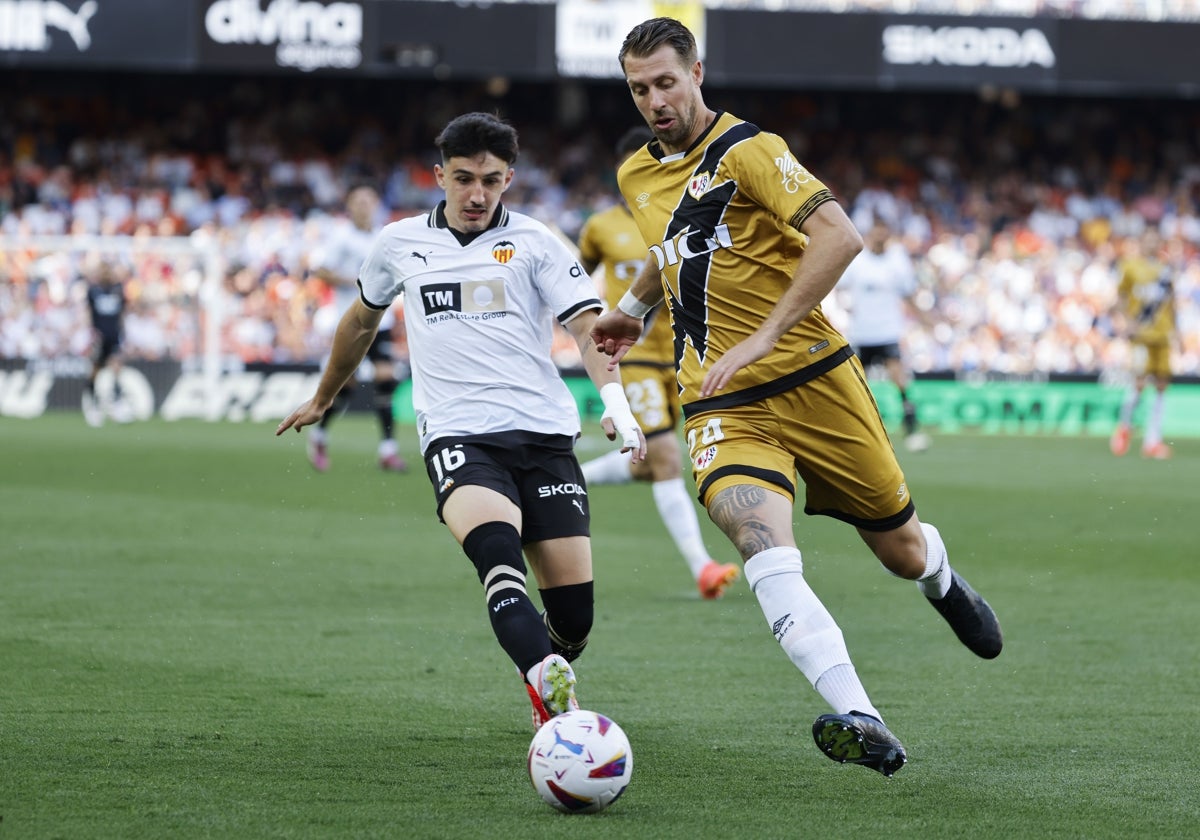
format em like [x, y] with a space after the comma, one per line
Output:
[738, 511]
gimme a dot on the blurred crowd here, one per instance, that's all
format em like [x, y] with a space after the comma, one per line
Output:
[1014, 210]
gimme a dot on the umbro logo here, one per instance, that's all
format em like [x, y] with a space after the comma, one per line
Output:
[782, 626]
[421, 256]
[643, 200]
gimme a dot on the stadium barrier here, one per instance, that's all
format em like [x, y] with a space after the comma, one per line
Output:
[265, 392]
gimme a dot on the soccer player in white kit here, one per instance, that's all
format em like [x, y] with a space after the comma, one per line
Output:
[483, 287]
[338, 264]
[873, 290]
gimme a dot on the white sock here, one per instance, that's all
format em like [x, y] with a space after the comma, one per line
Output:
[610, 468]
[841, 688]
[317, 434]
[805, 629]
[679, 515]
[1132, 398]
[388, 448]
[935, 581]
[1154, 421]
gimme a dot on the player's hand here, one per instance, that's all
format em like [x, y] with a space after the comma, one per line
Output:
[614, 333]
[633, 440]
[307, 414]
[618, 419]
[738, 356]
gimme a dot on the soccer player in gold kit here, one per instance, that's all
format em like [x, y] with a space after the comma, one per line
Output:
[745, 243]
[611, 239]
[1146, 315]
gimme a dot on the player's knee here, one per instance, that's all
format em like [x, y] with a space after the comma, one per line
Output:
[901, 551]
[384, 389]
[495, 550]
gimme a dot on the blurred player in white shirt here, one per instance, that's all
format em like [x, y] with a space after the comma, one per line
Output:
[338, 264]
[874, 291]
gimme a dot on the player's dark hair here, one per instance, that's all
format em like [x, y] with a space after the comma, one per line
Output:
[649, 35]
[471, 134]
[632, 140]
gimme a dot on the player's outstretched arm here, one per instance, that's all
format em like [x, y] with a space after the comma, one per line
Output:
[615, 332]
[353, 338]
[618, 419]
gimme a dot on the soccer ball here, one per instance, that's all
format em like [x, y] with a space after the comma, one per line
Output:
[580, 762]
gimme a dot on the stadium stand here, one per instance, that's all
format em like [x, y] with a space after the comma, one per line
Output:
[1014, 206]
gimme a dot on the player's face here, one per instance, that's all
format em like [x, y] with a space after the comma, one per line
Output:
[667, 94]
[361, 205]
[473, 188]
[877, 238]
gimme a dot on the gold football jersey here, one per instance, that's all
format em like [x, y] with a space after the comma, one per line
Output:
[721, 219]
[1149, 300]
[611, 239]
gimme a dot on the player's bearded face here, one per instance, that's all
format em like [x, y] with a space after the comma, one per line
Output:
[667, 95]
[473, 188]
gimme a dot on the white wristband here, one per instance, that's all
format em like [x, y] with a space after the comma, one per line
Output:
[631, 306]
[616, 408]
[615, 401]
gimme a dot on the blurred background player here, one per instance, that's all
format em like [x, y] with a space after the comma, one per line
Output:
[875, 290]
[338, 265]
[1146, 317]
[106, 306]
[611, 238]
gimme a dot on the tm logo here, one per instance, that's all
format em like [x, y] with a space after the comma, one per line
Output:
[469, 296]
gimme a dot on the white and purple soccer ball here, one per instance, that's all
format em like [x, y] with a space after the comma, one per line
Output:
[580, 762]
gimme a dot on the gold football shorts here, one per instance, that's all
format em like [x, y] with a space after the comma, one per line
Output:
[827, 430]
[653, 395]
[1151, 360]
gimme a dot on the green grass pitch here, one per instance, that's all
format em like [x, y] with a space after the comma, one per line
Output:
[201, 637]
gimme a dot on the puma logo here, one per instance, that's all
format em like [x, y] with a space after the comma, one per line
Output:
[73, 23]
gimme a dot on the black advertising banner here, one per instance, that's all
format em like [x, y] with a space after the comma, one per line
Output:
[791, 49]
[442, 40]
[873, 51]
[283, 35]
[445, 40]
[940, 52]
[117, 34]
[868, 51]
[1114, 57]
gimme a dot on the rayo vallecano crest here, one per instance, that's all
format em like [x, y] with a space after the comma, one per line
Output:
[699, 185]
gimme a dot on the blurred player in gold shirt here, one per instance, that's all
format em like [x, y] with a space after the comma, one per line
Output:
[611, 239]
[1145, 316]
[744, 244]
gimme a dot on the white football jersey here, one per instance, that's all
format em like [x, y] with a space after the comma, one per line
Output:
[480, 312]
[344, 255]
[877, 286]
